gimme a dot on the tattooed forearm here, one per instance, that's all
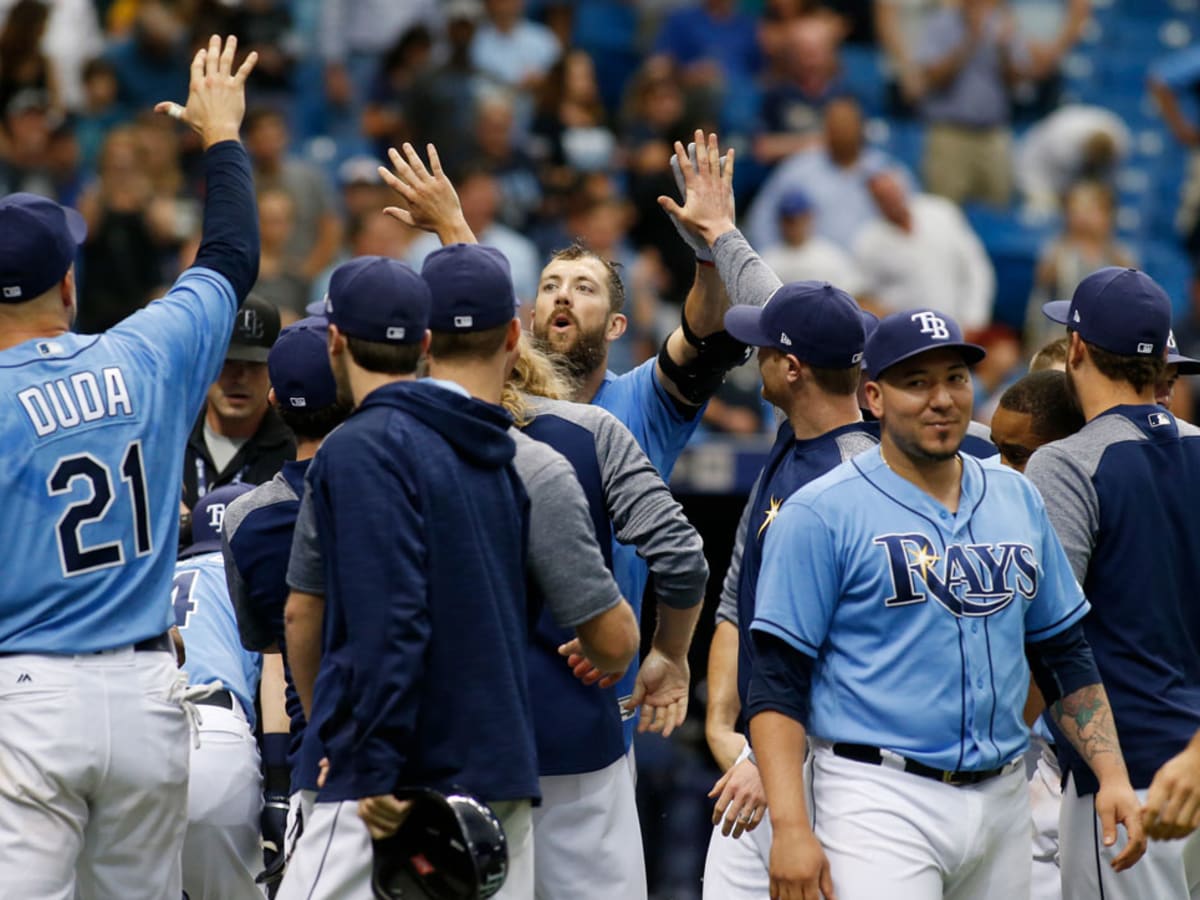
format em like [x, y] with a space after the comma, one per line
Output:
[1085, 718]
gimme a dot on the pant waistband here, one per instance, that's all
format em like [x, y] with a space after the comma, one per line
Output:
[874, 756]
[160, 642]
[223, 699]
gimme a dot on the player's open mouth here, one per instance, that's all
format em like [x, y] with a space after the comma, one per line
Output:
[562, 322]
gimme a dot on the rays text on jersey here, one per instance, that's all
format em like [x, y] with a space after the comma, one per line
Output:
[967, 579]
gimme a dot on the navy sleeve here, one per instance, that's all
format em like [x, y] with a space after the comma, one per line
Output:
[1063, 664]
[229, 242]
[781, 681]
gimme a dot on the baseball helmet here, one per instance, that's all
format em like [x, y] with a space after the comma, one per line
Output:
[451, 846]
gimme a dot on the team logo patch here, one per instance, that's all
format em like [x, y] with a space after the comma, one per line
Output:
[1158, 420]
[1144, 347]
[970, 580]
[298, 401]
[464, 321]
[932, 324]
[769, 515]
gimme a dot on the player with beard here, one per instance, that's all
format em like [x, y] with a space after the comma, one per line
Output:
[577, 315]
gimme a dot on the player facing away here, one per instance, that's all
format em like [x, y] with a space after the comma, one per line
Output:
[897, 600]
[222, 852]
[1124, 488]
[94, 736]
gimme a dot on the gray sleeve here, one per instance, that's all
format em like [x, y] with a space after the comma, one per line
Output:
[727, 609]
[306, 572]
[645, 515]
[748, 280]
[1071, 503]
[560, 527]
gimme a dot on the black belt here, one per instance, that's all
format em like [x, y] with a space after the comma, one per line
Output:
[874, 756]
[223, 699]
[161, 642]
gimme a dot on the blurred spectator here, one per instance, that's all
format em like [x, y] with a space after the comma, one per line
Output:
[120, 257]
[265, 27]
[970, 56]
[479, 195]
[1174, 75]
[23, 65]
[100, 111]
[385, 119]
[993, 375]
[570, 126]
[833, 176]
[1075, 142]
[63, 164]
[793, 101]
[28, 123]
[369, 234]
[1051, 356]
[498, 150]
[152, 63]
[363, 191]
[804, 256]
[278, 282]
[715, 48]
[923, 253]
[1086, 244]
[899, 25]
[443, 97]
[71, 37]
[174, 211]
[511, 48]
[353, 37]
[317, 228]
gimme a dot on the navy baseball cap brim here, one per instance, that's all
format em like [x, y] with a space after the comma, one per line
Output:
[206, 535]
[1187, 365]
[745, 324]
[814, 321]
[316, 308]
[1121, 310]
[1057, 311]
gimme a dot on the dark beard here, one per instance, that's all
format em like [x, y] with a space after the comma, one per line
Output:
[586, 355]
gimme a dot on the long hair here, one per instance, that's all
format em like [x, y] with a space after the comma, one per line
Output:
[533, 374]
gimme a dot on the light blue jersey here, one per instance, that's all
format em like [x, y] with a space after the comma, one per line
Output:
[204, 615]
[917, 618]
[93, 429]
[642, 404]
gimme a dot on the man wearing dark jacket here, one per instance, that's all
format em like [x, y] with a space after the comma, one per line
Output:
[239, 437]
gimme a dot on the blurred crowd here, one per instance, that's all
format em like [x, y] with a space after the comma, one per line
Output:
[556, 121]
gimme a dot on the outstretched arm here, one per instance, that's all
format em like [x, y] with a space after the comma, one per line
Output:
[430, 201]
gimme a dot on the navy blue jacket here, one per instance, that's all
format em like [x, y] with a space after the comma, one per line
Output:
[422, 522]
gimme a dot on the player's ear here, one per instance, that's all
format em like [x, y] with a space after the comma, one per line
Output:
[1076, 350]
[795, 369]
[873, 394]
[337, 341]
[617, 324]
[426, 340]
[271, 397]
[66, 289]
[513, 337]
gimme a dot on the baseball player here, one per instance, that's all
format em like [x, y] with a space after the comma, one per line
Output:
[577, 313]
[1122, 489]
[457, 706]
[1177, 364]
[93, 732]
[895, 598]
[221, 850]
[257, 538]
[587, 839]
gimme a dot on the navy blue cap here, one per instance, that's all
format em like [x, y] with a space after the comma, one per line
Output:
[870, 323]
[1123, 311]
[904, 335]
[471, 286]
[378, 299]
[38, 241]
[1187, 365]
[299, 366]
[208, 517]
[794, 203]
[812, 320]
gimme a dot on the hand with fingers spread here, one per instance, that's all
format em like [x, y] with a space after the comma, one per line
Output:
[216, 95]
[707, 187]
[661, 690]
[383, 814]
[430, 201]
[741, 799]
[1172, 807]
[583, 669]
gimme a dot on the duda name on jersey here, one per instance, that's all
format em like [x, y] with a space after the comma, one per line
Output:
[76, 399]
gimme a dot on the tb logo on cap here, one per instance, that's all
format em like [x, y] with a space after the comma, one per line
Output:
[216, 517]
[932, 324]
[251, 325]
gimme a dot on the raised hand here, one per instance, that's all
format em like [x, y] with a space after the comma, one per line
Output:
[431, 203]
[708, 206]
[216, 99]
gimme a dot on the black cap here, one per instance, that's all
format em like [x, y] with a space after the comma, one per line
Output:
[254, 331]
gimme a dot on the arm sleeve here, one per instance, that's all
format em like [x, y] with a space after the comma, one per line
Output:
[560, 527]
[1062, 664]
[229, 242]
[382, 596]
[646, 516]
[748, 280]
[799, 580]
[305, 571]
[727, 609]
[1059, 603]
[1071, 504]
[781, 681]
[254, 633]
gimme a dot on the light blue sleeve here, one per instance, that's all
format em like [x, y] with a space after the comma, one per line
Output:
[640, 401]
[1059, 602]
[184, 336]
[799, 580]
[1178, 70]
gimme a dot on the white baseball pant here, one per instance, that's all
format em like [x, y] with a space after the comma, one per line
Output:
[587, 839]
[1045, 802]
[93, 776]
